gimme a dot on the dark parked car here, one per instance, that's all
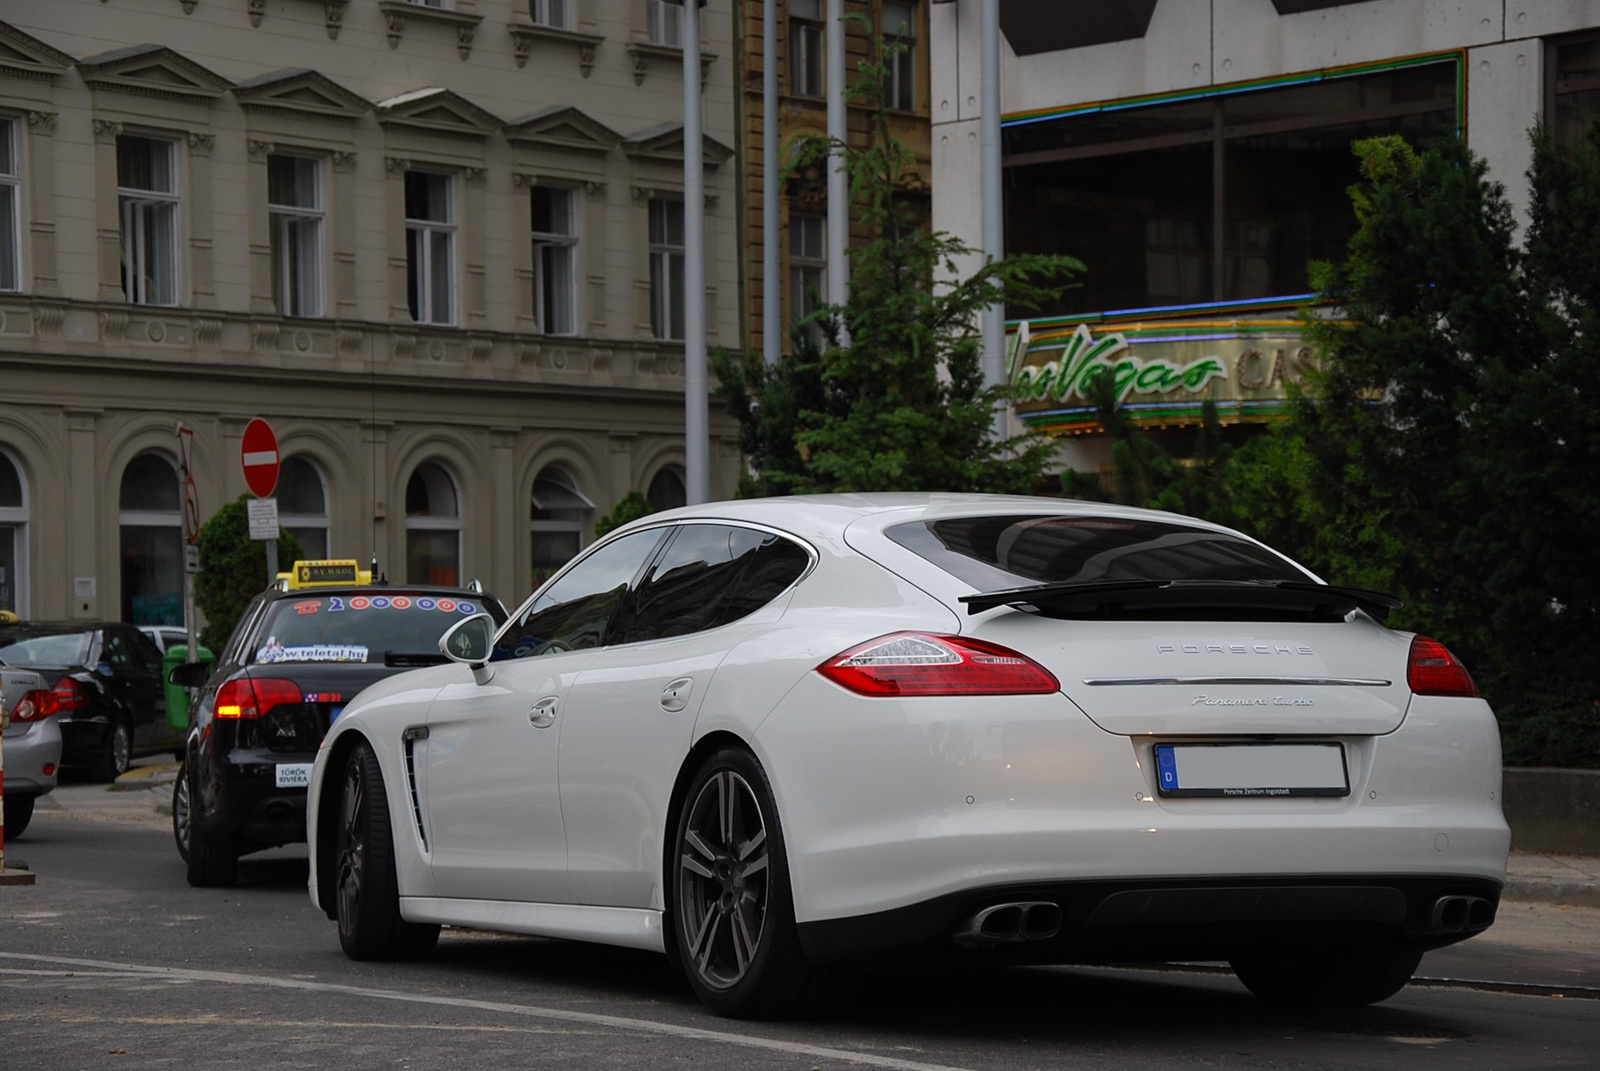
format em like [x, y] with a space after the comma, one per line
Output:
[106, 679]
[301, 651]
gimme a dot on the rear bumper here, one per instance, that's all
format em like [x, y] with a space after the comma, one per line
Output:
[1149, 921]
[893, 805]
[31, 750]
[237, 795]
[83, 738]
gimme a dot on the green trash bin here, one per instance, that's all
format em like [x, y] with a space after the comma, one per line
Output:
[178, 696]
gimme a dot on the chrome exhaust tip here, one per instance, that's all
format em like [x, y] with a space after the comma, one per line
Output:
[1462, 914]
[1010, 923]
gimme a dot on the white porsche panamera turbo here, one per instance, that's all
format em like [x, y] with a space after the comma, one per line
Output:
[776, 738]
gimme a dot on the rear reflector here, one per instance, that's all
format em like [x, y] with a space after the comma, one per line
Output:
[1433, 670]
[921, 663]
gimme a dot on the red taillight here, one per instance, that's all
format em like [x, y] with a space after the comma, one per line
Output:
[921, 663]
[1433, 670]
[36, 705]
[70, 696]
[246, 698]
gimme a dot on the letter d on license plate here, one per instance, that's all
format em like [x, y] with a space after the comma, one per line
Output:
[292, 775]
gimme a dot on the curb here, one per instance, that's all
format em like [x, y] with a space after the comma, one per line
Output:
[1577, 893]
[16, 877]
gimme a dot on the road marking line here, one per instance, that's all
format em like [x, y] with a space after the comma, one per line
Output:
[615, 1022]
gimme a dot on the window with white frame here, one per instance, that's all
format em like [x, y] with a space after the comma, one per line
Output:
[10, 207]
[555, 248]
[430, 248]
[808, 263]
[147, 192]
[559, 514]
[805, 48]
[433, 527]
[664, 22]
[302, 496]
[294, 209]
[900, 35]
[666, 268]
[552, 13]
[441, 4]
[13, 536]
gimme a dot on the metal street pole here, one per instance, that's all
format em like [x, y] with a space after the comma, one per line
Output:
[838, 180]
[696, 418]
[994, 316]
[772, 289]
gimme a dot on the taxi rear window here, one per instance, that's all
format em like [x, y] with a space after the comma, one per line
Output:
[360, 627]
[1013, 550]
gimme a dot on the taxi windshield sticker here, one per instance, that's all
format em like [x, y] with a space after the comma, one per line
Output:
[273, 651]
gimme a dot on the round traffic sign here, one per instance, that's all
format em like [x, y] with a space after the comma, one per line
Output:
[259, 455]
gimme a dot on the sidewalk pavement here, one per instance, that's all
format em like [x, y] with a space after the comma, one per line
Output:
[1550, 878]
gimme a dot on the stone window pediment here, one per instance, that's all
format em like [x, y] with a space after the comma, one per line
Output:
[436, 110]
[302, 92]
[563, 127]
[665, 144]
[24, 56]
[153, 70]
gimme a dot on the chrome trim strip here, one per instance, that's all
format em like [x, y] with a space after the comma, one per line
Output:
[1359, 682]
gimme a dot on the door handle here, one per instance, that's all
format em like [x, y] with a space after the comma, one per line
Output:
[543, 714]
[675, 696]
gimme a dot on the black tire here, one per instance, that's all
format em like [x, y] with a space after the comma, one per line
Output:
[19, 812]
[212, 862]
[182, 824]
[116, 754]
[733, 909]
[366, 889]
[1332, 979]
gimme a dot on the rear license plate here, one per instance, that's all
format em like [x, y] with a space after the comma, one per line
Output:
[1251, 770]
[292, 775]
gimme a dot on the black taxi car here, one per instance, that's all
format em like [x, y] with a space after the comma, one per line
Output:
[303, 649]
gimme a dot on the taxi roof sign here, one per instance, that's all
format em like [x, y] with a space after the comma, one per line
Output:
[307, 574]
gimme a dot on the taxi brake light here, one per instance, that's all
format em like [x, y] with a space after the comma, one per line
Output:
[252, 698]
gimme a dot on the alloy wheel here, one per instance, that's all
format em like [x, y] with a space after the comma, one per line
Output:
[723, 879]
[352, 846]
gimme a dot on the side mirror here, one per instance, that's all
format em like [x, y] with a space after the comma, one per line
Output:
[189, 674]
[469, 642]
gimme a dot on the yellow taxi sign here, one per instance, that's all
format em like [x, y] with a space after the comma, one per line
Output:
[8, 618]
[329, 571]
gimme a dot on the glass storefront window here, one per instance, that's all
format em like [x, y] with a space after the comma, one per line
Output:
[303, 505]
[13, 535]
[1226, 198]
[433, 527]
[1572, 104]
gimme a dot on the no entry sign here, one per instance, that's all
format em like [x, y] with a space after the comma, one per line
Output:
[259, 455]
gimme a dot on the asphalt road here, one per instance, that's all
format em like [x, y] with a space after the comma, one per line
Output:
[111, 960]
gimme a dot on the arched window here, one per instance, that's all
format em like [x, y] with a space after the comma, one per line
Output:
[152, 542]
[13, 536]
[433, 527]
[559, 515]
[667, 490]
[303, 504]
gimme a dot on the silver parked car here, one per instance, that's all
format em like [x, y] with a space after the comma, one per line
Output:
[32, 745]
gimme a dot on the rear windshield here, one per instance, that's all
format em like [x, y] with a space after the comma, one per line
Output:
[1012, 551]
[360, 628]
[29, 648]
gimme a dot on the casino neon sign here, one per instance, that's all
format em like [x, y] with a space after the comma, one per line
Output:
[1084, 359]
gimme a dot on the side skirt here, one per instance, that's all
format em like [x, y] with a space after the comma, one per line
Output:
[624, 927]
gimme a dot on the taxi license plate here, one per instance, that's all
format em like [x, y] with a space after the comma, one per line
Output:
[292, 775]
[1251, 770]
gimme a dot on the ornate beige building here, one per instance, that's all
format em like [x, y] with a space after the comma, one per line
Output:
[438, 245]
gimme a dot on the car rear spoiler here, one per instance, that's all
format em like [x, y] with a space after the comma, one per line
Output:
[1113, 599]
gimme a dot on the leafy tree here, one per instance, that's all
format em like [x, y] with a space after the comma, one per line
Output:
[632, 506]
[1446, 449]
[885, 392]
[233, 569]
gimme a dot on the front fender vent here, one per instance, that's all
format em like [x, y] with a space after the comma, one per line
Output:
[410, 738]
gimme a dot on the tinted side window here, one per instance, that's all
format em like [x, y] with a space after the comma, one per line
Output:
[578, 609]
[711, 575]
